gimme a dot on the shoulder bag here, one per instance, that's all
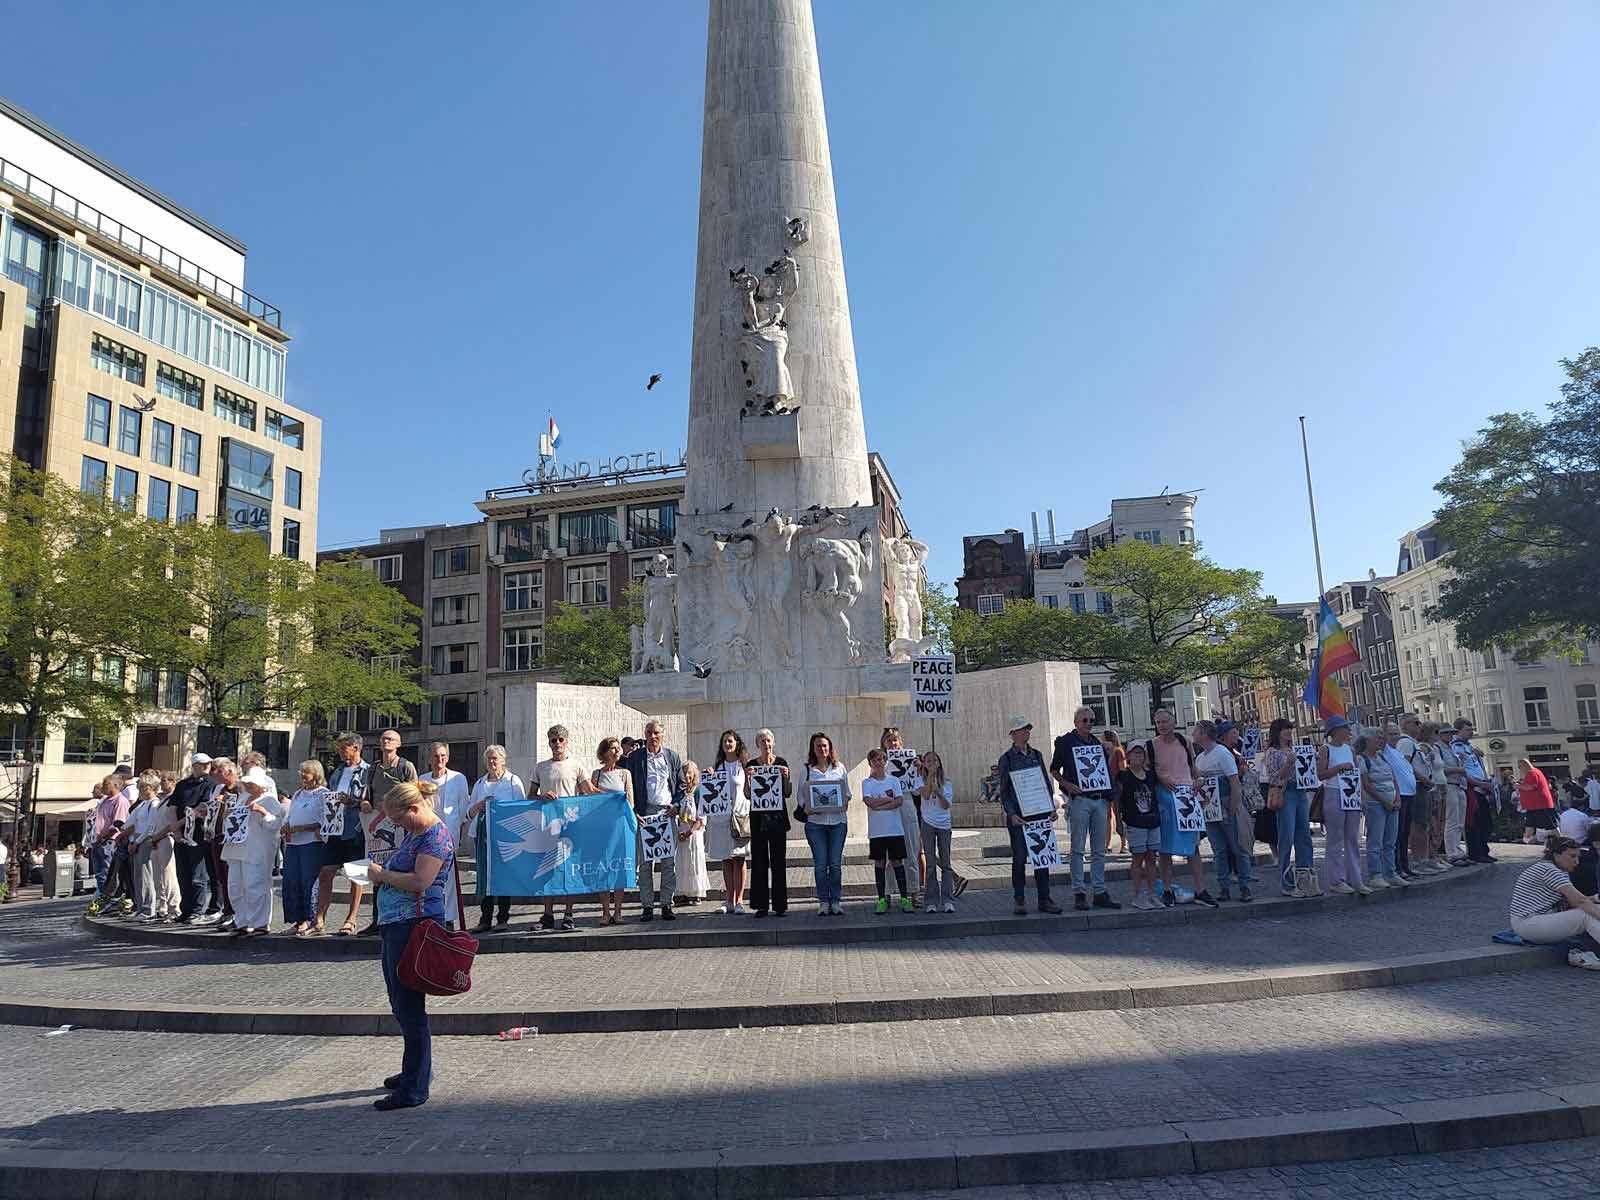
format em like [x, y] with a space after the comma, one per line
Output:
[436, 961]
[739, 815]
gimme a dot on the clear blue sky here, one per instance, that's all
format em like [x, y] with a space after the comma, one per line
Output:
[1092, 249]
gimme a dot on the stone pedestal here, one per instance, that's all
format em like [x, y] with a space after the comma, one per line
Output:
[589, 713]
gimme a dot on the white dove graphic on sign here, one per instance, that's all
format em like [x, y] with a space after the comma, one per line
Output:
[536, 837]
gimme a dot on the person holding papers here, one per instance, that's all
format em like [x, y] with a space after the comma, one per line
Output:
[885, 838]
[1021, 792]
[250, 844]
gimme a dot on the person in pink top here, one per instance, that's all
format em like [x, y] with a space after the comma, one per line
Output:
[109, 816]
[1537, 804]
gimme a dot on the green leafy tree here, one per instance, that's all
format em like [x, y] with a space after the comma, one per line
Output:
[591, 645]
[269, 636]
[938, 610]
[82, 596]
[1177, 618]
[1022, 632]
[1522, 515]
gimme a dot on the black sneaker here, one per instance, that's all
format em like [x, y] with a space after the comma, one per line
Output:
[667, 914]
[1168, 900]
[1244, 895]
[568, 924]
[1080, 902]
[1224, 894]
[1205, 898]
[393, 1081]
[547, 921]
[648, 914]
[1104, 900]
[1020, 909]
[961, 884]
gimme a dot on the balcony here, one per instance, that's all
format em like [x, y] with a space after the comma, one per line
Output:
[92, 219]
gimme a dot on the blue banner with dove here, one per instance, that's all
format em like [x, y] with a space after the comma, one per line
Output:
[567, 847]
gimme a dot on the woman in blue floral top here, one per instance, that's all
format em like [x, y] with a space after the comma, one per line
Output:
[411, 887]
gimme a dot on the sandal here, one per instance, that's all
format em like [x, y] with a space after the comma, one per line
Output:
[316, 928]
[348, 928]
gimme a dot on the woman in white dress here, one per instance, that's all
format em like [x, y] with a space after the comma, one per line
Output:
[255, 819]
[722, 843]
[612, 777]
[691, 831]
[496, 783]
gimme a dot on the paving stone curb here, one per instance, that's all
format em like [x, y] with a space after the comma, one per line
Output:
[799, 928]
[758, 1173]
[817, 1009]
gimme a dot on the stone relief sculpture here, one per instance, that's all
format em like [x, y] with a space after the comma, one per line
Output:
[902, 563]
[776, 540]
[834, 572]
[660, 617]
[730, 557]
[636, 648]
[764, 345]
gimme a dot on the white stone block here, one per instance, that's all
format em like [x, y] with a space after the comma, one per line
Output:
[589, 713]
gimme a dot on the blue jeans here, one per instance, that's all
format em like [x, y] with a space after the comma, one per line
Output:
[194, 878]
[301, 864]
[1019, 868]
[1383, 829]
[1088, 815]
[410, 1009]
[827, 860]
[100, 866]
[1233, 863]
[1294, 833]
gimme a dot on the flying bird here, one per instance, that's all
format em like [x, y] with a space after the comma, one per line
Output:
[728, 507]
[702, 670]
[654, 379]
[145, 405]
[536, 837]
[748, 521]
[687, 549]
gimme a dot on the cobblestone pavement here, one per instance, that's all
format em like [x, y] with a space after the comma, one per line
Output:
[807, 1085]
[1547, 1171]
[43, 952]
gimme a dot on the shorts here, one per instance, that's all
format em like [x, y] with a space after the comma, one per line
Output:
[1540, 818]
[891, 848]
[338, 851]
[1141, 841]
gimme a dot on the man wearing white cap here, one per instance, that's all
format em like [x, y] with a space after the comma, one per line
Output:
[189, 808]
[1023, 757]
[250, 843]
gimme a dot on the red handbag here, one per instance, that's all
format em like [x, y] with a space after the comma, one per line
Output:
[436, 961]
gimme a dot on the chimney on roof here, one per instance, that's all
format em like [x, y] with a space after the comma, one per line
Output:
[1050, 517]
[1035, 518]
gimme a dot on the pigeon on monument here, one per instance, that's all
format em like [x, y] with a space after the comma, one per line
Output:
[654, 379]
[702, 670]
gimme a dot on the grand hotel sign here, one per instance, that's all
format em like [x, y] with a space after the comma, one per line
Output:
[622, 466]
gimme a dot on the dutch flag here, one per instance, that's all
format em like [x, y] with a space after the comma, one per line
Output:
[550, 440]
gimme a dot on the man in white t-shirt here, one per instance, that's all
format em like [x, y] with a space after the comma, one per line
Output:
[885, 831]
[449, 805]
[1218, 771]
[1591, 789]
[553, 778]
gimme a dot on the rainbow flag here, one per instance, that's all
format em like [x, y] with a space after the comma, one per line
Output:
[1335, 651]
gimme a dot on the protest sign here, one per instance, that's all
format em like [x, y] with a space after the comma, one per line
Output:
[1094, 774]
[1190, 812]
[766, 788]
[1040, 835]
[573, 846]
[933, 686]
[1033, 793]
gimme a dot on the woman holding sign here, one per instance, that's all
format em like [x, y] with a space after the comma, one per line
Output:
[769, 827]
[691, 854]
[825, 824]
[728, 828]
[302, 855]
[612, 777]
[1173, 761]
[249, 846]
[1341, 809]
[1291, 802]
[496, 783]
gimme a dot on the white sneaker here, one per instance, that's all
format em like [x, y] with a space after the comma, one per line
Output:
[723, 908]
[835, 910]
[1341, 889]
[1396, 881]
[1376, 883]
[1364, 890]
[822, 910]
[738, 908]
[1587, 959]
[949, 906]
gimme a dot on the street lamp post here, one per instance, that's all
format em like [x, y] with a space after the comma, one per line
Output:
[19, 772]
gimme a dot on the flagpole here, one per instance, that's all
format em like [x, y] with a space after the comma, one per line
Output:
[1311, 500]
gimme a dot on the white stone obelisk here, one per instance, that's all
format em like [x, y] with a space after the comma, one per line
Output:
[780, 594]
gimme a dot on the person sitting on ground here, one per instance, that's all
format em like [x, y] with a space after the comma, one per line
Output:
[886, 845]
[1586, 875]
[1547, 908]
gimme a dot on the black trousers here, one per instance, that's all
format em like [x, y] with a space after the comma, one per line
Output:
[1479, 825]
[488, 905]
[1019, 868]
[194, 878]
[769, 864]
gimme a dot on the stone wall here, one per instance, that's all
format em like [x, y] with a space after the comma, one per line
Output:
[589, 713]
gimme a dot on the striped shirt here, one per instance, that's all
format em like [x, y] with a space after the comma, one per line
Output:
[1538, 891]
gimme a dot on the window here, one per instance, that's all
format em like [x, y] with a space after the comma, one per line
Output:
[389, 569]
[1153, 536]
[147, 686]
[523, 591]
[587, 532]
[291, 538]
[1467, 709]
[455, 560]
[130, 431]
[189, 452]
[291, 431]
[1102, 603]
[1488, 658]
[589, 584]
[1588, 705]
[116, 359]
[1536, 707]
[521, 648]
[638, 568]
[86, 744]
[652, 524]
[161, 442]
[237, 409]
[348, 719]
[14, 741]
[181, 386]
[188, 505]
[459, 708]
[116, 297]
[386, 662]
[1185, 536]
[455, 659]
[97, 421]
[1052, 601]
[158, 506]
[125, 489]
[274, 743]
[25, 255]
[175, 693]
[246, 489]
[217, 740]
[455, 610]
[522, 540]
[1107, 704]
[1526, 658]
[291, 487]
[1076, 602]
[988, 605]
